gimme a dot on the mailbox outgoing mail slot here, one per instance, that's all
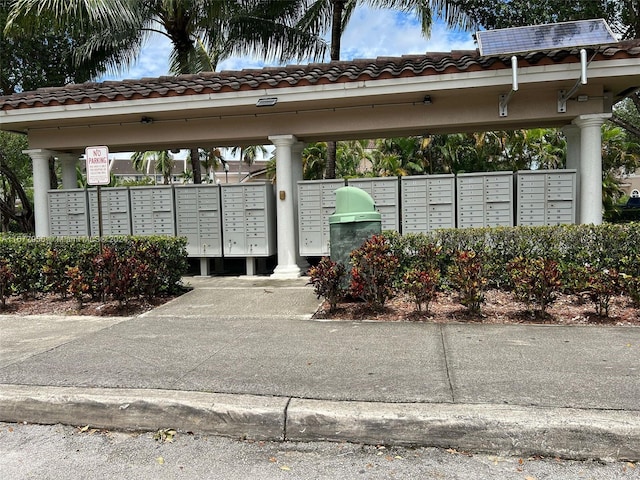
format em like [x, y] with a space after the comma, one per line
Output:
[354, 222]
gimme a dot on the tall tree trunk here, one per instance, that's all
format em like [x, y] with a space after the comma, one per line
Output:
[336, 36]
[195, 165]
[8, 198]
[53, 177]
[25, 219]
[336, 29]
[629, 127]
[330, 168]
[621, 122]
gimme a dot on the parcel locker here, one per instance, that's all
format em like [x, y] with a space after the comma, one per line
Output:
[68, 213]
[484, 199]
[316, 203]
[546, 197]
[116, 211]
[428, 203]
[386, 196]
[198, 219]
[248, 219]
[153, 210]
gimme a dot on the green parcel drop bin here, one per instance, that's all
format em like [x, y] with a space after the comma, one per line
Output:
[354, 221]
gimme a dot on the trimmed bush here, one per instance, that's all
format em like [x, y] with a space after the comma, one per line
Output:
[6, 281]
[374, 270]
[535, 280]
[421, 286]
[599, 285]
[469, 260]
[630, 273]
[327, 280]
[120, 268]
[77, 284]
[467, 277]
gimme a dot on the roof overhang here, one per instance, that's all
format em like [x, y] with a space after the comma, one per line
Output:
[362, 107]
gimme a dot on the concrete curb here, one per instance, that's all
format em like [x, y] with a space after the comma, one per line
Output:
[508, 430]
[239, 416]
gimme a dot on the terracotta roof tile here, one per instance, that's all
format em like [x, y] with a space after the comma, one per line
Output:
[299, 75]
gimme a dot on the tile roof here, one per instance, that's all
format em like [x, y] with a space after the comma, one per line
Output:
[300, 75]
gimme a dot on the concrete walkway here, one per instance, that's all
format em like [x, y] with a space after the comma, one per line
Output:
[241, 357]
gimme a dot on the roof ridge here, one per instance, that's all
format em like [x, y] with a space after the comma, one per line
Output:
[429, 63]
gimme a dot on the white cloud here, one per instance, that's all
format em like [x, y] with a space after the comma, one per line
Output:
[371, 33]
[152, 62]
[375, 33]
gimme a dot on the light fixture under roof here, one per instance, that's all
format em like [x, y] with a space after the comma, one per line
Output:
[267, 102]
[553, 36]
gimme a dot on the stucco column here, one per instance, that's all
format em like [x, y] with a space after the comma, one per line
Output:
[572, 135]
[68, 163]
[40, 160]
[591, 166]
[285, 197]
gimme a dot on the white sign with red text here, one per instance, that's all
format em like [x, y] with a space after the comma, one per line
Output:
[97, 159]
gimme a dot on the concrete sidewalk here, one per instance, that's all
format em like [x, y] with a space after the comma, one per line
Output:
[241, 357]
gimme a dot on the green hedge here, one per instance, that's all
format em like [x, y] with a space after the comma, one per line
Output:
[121, 268]
[535, 263]
[612, 246]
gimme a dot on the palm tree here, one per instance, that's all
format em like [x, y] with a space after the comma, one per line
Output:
[410, 152]
[211, 159]
[248, 154]
[201, 32]
[323, 15]
[620, 151]
[162, 162]
[350, 156]
[313, 160]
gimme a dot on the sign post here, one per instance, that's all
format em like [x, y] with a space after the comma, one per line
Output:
[97, 163]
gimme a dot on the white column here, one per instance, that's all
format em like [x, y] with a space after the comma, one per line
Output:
[68, 163]
[40, 160]
[591, 167]
[285, 193]
[572, 134]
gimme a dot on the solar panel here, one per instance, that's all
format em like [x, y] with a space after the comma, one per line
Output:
[553, 36]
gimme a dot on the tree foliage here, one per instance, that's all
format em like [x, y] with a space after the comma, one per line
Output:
[334, 15]
[201, 33]
[622, 15]
[160, 160]
[16, 210]
[28, 62]
[44, 58]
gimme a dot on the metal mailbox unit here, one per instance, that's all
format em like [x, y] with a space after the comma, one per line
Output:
[428, 203]
[198, 219]
[385, 194]
[153, 210]
[68, 213]
[316, 203]
[248, 220]
[116, 211]
[485, 199]
[546, 197]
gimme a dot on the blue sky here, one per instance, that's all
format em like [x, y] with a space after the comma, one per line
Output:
[371, 33]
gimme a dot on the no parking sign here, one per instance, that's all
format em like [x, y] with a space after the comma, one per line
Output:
[97, 161]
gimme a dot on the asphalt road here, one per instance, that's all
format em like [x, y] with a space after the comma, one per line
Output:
[63, 452]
